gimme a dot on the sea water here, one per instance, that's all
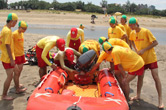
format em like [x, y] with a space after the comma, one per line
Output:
[90, 32]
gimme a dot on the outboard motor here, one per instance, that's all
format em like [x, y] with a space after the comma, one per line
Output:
[86, 61]
[83, 65]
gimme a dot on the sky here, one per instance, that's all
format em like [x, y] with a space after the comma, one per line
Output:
[159, 4]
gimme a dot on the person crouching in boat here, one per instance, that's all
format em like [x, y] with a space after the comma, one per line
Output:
[65, 60]
[42, 51]
[124, 59]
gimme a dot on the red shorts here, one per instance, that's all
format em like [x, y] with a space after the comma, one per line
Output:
[138, 72]
[41, 62]
[151, 66]
[20, 59]
[75, 44]
[67, 63]
[7, 65]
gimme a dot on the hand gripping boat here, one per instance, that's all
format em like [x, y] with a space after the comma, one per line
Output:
[56, 93]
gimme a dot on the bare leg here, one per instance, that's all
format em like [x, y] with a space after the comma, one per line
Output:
[127, 86]
[119, 78]
[158, 86]
[139, 87]
[42, 71]
[17, 72]
[7, 82]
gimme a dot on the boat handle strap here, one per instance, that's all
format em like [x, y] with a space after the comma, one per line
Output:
[109, 93]
[109, 83]
[49, 89]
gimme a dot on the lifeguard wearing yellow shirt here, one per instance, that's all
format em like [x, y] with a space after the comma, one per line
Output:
[7, 52]
[73, 38]
[144, 42]
[18, 38]
[42, 51]
[114, 42]
[124, 60]
[115, 31]
[117, 24]
[90, 45]
[126, 26]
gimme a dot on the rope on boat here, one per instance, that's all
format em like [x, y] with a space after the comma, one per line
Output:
[75, 103]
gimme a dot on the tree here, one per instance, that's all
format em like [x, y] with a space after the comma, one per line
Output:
[3, 4]
[43, 5]
[133, 8]
[93, 8]
[127, 7]
[68, 6]
[80, 5]
[112, 8]
[103, 4]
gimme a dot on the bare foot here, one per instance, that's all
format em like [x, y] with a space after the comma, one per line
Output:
[7, 98]
[134, 98]
[161, 107]
[21, 85]
[21, 91]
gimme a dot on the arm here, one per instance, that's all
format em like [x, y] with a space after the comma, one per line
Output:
[44, 54]
[121, 70]
[62, 63]
[154, 43]
[133, 44]
[78, 54]
[126, 38]
[68, 39]
[82, 37]
[10, 55]
[112, 67]
[96, 66]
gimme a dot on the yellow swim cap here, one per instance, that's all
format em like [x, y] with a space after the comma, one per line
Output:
[102, 39]
[106, 46]
[12, 16]
[22, 24]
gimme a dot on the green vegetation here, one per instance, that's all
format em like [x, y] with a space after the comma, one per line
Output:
[128, 8]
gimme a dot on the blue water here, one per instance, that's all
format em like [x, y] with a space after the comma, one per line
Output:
[92, 32]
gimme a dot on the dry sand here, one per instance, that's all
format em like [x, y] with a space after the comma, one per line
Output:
[30, 77]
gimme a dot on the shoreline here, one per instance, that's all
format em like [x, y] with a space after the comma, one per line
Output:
[72, 18]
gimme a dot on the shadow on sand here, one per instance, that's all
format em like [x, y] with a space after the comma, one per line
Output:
[142, 105]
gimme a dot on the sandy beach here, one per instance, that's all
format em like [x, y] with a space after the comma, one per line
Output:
[30, 77]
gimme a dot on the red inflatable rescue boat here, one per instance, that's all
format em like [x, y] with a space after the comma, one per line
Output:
[54, 93]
